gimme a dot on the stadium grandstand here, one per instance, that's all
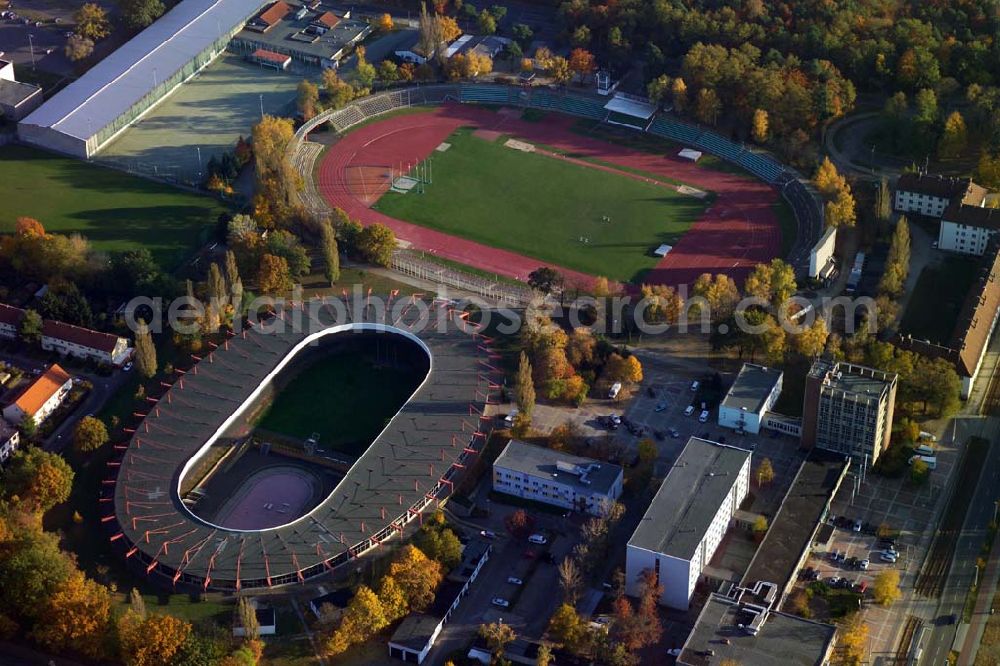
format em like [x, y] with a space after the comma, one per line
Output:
[629, 111]
[411, 465]
[91, 111]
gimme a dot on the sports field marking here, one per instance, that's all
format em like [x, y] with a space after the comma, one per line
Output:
[520, 145]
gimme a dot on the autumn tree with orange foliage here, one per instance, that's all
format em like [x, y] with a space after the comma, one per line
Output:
[77, 616]
[417, 576]
[27, 227]
[582, 62]
[152, 641]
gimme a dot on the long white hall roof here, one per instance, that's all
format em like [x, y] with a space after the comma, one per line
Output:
[115, 84]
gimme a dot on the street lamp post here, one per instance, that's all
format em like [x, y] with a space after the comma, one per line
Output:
[31, 48]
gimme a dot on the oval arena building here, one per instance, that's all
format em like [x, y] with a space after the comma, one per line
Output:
[410, 466]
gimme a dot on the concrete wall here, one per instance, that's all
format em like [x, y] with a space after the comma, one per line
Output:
[676, 576]
[965, 240]
[923, 204]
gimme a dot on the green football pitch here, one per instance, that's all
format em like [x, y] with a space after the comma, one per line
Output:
[344, 397]
[114, 210]
[546, 208]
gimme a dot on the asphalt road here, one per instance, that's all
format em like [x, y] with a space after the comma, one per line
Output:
[967, 549]
[103, 389]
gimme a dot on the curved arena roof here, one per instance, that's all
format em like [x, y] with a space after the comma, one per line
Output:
[410, 465]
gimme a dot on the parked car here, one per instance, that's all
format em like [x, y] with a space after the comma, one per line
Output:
[514, 580]
[694, 386]
[689, 410]
[856, 526]
[487, 534]
[887, 556]
[674, 433]
[703, 417]
[127, 366]
[660, 406]
[864, 564]
[501, 602]
[538, 539]
[509, 419]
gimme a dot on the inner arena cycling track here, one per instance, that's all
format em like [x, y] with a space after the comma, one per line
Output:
[411, 465]
[738, 231]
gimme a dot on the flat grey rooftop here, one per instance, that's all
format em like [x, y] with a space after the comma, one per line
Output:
[783, 639]
[797, 519]
[688, 499]
[287, 37]
[753, 385]
[849, 378]
[541, 462]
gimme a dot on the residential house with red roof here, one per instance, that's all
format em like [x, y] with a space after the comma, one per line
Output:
[41, 397]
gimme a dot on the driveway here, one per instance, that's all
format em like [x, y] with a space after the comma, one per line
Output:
[103, 389]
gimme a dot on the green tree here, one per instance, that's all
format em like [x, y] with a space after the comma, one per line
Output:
[331, 252]
[273, 275]
[376, 243]
[32, 569]
[926, 106]
[31, 327]
[487, 23]
[497, 635]
[39, 479]
[955, 137]
[138, 14]
[246, 617]
[307, 99]
[545, 279]
[145, 353]
[524, 387]
[565, 627]
[92, 21]
[89, 434]
[365, 72]
[885, 589]
[658, 89]
[765, 472]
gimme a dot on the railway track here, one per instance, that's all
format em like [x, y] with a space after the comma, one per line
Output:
[903, 647]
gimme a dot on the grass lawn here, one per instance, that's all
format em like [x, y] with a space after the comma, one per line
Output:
[112, 209]
[344, 397]
[540, 207]
[937, 299]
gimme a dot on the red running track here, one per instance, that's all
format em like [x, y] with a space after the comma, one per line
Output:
[738, 231]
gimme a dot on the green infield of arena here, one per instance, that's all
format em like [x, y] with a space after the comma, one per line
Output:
[541, 207]
[345, 397]
[114, 210]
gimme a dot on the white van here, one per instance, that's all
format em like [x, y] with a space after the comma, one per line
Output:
[616, 388]
[924, 450]
[689, 410]
[694, 385]
[703, 417]
[538, 539]
[931, 461]
[928, 436]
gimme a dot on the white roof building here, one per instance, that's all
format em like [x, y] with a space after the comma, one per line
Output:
[88, 113]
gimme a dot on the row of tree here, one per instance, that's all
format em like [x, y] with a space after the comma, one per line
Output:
[840, 208]
[47, 599]
[409, 585]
